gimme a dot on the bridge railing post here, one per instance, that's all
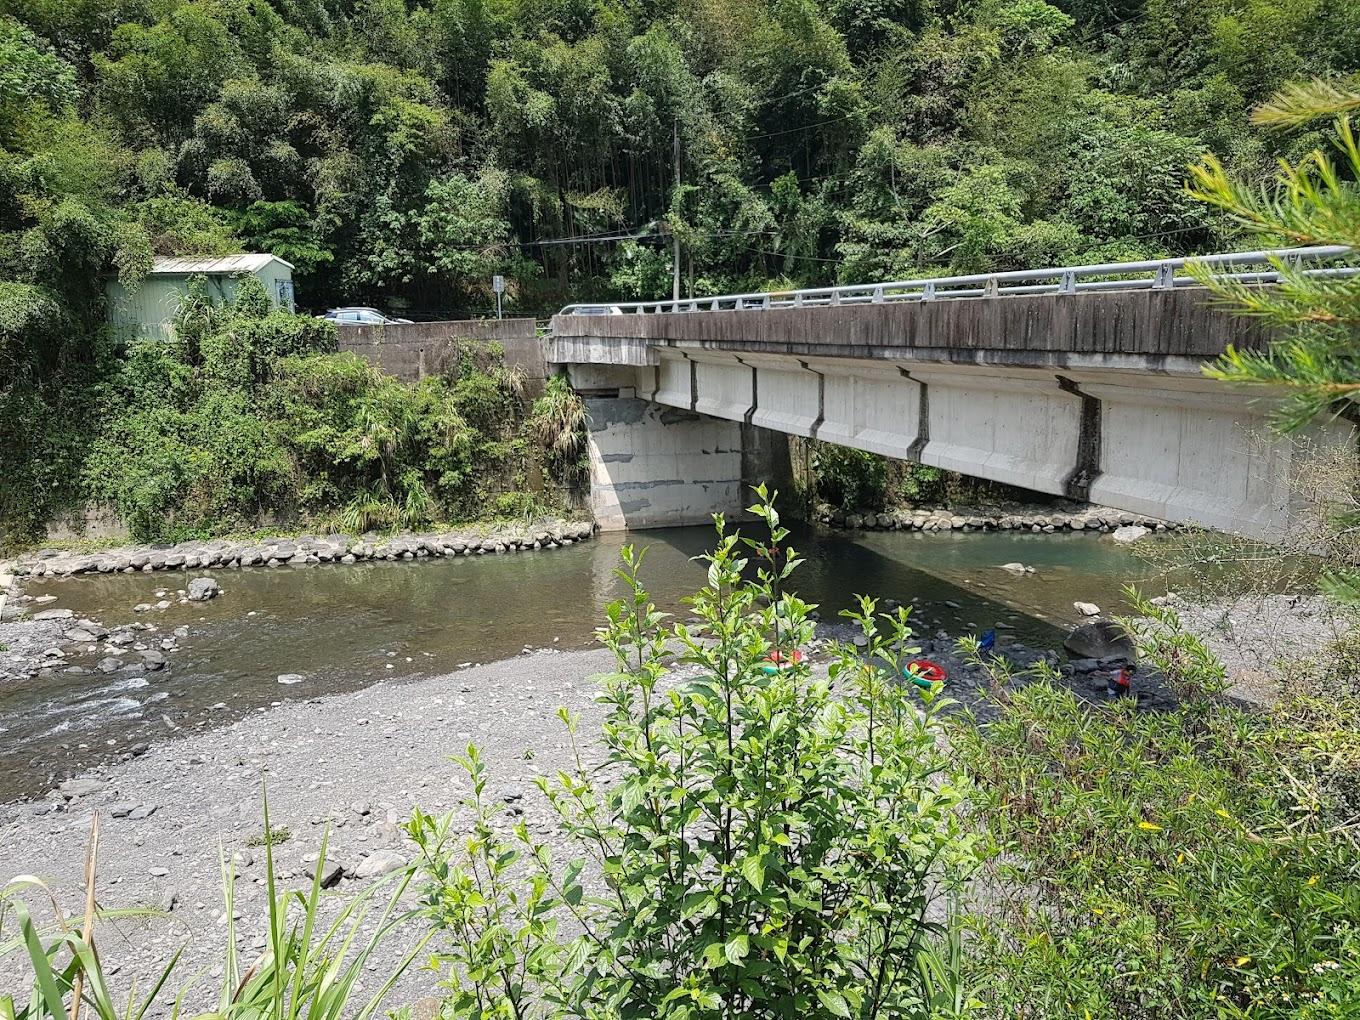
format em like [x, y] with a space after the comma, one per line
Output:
[1068, 284]
[928, 292]
[1166, 277]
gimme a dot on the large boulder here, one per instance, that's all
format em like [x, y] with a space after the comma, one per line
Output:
[1100, 639]
[1130, 533]
[202, 588]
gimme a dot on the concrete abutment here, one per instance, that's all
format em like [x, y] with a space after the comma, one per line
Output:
[656, 465]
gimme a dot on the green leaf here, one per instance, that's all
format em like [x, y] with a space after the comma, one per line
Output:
[835, 1002]
[736, 949]
[753, 870]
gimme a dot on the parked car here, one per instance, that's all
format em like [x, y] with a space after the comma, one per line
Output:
[360, 317]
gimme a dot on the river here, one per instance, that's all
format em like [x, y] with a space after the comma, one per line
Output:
[342, 627]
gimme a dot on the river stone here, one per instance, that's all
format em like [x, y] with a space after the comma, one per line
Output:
[1086, 608]
[1014, 568]
[1100, 639]
[203, 588]
[1130, 533]
[331, 872]
[54, 614]
[153, 659]
[81, 786]
[291, 678]
[111, 664]
[379, 863]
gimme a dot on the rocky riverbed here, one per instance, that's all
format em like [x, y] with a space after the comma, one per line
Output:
[355, 765]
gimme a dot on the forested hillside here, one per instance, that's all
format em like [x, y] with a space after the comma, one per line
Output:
[400, 152]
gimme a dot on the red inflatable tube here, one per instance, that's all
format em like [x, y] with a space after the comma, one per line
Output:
[924, 673]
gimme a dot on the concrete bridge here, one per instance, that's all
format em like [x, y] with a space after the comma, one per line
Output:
[1078, 381]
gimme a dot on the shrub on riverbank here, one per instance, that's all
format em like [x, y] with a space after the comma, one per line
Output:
[249, 416]
[768, 843]
[1196, 863]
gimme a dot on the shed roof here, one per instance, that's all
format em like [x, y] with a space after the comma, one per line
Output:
[227, 265]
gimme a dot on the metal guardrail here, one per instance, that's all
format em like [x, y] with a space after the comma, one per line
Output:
[1160, 274]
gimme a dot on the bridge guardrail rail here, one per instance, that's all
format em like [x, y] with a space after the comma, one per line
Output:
[1157, 274]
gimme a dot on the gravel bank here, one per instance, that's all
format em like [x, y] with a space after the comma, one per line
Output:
[358, 762]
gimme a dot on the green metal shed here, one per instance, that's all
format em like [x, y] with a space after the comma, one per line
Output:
[149, 311]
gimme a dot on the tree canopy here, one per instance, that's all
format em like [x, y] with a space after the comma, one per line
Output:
[402, 151]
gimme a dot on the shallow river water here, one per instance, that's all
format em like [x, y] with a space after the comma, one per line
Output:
[343, 627]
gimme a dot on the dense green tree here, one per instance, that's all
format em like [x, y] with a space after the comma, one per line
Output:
[818, 141]
[400, 152]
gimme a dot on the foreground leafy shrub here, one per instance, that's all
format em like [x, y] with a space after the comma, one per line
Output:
[753, 844]
[1201, 862]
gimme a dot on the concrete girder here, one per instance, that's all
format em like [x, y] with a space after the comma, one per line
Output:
[1194, 451]
[869, 406]
[787, 394]
[1015, 426]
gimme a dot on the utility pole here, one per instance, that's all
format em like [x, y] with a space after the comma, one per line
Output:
[675, 237]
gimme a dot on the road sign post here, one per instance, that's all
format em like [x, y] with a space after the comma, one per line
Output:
[498, 285]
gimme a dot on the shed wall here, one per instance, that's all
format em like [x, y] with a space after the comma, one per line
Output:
[149, 311]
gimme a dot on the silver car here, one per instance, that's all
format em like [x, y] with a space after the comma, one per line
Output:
[358, 316]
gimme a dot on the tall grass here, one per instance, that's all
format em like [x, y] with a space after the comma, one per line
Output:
[309, 969]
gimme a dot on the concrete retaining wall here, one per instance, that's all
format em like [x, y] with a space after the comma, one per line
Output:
[411, 351]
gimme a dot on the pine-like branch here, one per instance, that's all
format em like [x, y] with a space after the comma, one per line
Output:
[1299, 103]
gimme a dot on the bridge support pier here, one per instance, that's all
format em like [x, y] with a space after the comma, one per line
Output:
[656, 466]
